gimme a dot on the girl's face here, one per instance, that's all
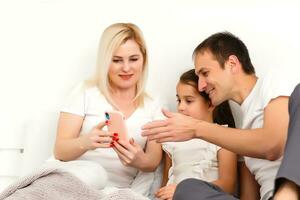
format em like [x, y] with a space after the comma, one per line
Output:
[126, 66]
[191, 103]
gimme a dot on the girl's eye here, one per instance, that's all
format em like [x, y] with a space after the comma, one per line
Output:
[189, 101]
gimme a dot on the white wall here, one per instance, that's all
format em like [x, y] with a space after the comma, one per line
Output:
[47, 46]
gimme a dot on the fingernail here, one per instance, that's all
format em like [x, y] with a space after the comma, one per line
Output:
[117, 139]
[106, 122]
[116, 134]
[106, 115]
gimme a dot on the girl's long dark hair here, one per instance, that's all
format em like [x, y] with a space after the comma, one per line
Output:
[222, 113]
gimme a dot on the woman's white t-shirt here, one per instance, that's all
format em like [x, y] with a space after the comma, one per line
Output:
[91, 104]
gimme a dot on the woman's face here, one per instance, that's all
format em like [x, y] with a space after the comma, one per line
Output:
[126, 66]
[191, 103]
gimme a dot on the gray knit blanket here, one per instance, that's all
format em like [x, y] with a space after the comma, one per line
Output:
[54, 184]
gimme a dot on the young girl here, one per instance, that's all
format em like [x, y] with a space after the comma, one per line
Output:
[197, 158]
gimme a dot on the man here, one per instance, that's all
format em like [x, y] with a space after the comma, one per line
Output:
[225, 72]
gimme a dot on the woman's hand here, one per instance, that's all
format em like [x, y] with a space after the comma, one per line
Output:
[130, 153]
[177, 127]
[166, 193]
[96, 138]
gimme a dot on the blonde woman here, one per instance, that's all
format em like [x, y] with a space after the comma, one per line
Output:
[118, 84]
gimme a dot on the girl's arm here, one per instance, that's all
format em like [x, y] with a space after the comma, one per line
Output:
[227, 171]
[166, 192]
[249, 188]
[167, 166]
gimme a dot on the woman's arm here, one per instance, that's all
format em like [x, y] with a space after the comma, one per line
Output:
[153, 155]
[249, 188]
[68, 144]
[227, 171]
[167, 166]
[132, 154]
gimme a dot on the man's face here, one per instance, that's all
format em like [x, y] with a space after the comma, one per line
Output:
[214, 80]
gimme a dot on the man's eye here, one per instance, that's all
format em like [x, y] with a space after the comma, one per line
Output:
[205, 74]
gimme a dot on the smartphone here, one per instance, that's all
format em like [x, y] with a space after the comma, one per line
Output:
[117, 124]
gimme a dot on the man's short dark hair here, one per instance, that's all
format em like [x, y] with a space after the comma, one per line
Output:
[224, 44]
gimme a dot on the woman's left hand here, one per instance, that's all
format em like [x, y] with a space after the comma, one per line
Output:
[130, 153]
[166, 193]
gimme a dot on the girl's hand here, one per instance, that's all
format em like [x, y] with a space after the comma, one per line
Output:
[177, 127]
[130, 153]
[96, 138]
[166, 193]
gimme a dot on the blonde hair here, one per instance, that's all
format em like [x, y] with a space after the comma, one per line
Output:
[112, 38]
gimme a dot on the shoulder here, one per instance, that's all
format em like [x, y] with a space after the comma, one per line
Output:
[84, 89]
[155, 100]
[272, 86]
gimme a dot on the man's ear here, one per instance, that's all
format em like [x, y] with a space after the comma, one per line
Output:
[234, 64]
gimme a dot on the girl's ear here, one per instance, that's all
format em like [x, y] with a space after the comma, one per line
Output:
[211, 107]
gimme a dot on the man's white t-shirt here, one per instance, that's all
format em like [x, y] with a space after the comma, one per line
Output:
[92, 105]
[250, 115]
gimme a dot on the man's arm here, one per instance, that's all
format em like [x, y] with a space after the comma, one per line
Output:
[266, 142]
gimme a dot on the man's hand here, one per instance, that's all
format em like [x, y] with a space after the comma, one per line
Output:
[177, 127]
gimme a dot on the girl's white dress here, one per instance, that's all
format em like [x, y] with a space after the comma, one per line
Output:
[195, 158]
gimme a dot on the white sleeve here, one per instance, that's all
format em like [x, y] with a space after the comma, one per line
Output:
[75, 101]
[275, 86]
[158, 104]
[142, 182]
[218, 148]
[168, 147]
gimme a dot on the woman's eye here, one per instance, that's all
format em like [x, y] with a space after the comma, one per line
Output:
[133, 59]
[117, 61]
